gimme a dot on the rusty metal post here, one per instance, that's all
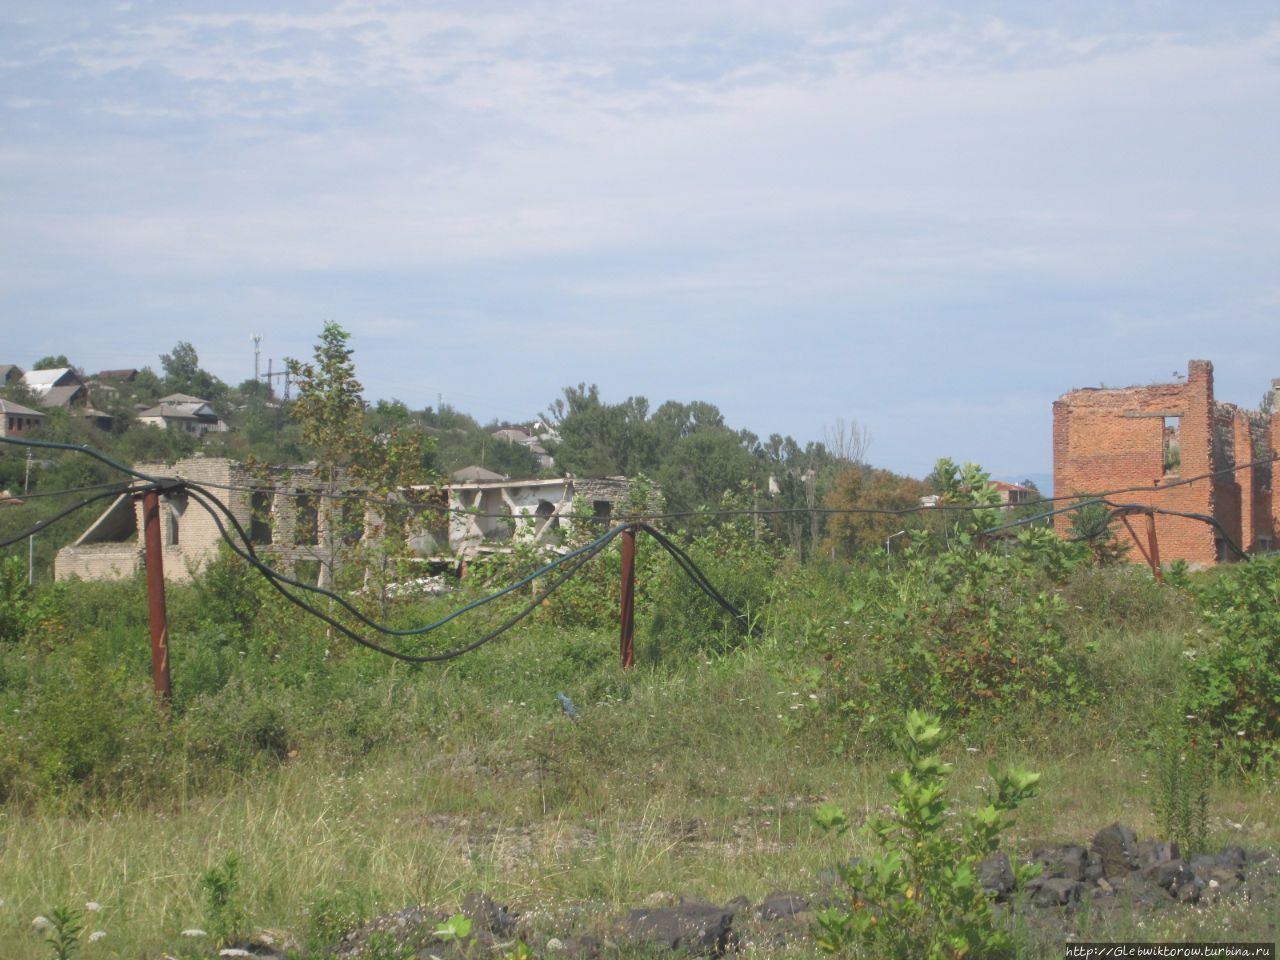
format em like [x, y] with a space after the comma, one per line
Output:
[155, 596]
[627, 614]
[1153, 547]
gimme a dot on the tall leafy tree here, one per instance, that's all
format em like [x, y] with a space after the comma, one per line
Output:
[383, 461]
[599, 439]
[183, 374]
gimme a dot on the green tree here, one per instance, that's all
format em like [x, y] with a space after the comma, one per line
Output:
[183, 374]
[54, 362]
[869, 488]
[382, 459]
[599, 439]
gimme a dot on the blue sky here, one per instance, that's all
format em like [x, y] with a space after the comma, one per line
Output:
[932, 219]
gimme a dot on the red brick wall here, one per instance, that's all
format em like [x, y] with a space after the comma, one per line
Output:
[1113, 439]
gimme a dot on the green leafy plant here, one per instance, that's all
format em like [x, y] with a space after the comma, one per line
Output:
[225, 917]
[1183, 776]
[1235, 675]
[454, 930]
[64, 932]
[919, 894]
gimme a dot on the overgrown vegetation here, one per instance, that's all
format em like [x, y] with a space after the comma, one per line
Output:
[919, 894]
[329, 769]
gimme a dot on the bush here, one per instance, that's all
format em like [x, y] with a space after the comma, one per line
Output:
[1235, 675]
[919, 894]
[972, 632]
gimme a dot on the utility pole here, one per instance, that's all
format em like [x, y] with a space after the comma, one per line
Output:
[257, 353]
[155, 597]
[627, 614]
[31, 540]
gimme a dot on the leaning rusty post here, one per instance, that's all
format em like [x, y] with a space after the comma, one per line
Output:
[628, 611]
[1153, 547]
[155, 596]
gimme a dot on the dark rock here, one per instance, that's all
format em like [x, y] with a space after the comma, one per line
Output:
[1057, 892]
[1220, 866]
[996, 875]
[486, 916]
[1117, 850]
[779, 906]
[1070, 861]
[698, 928]
[1168, 875]
[1157, 851]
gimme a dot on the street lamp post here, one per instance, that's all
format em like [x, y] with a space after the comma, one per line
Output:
[889, 540]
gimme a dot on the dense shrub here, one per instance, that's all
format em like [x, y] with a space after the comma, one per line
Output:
[973, 633]
[1235, 673]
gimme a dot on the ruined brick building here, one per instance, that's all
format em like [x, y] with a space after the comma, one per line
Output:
[1172, 445]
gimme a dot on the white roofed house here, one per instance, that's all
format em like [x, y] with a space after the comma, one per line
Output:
[61, 388]
[181, 411]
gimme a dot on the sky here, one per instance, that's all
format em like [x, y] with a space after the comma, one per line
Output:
[929, 218]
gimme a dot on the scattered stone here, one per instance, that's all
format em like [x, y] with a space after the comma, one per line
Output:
[780, 906]
[1169, 875]
[701, 929]
[1117, 850]
[1057, 892]
[1070, 861]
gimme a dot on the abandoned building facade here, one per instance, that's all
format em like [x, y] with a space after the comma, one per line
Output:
[1173, 446]
[288, 526]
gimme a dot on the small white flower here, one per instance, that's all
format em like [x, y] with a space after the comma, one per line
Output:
[97, 935]
[41, 923]
[93, 906]
[194, 932]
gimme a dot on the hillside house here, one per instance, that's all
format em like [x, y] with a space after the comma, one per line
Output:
[185, 413]
[1174, 446]
[57, 387]
[17, 420]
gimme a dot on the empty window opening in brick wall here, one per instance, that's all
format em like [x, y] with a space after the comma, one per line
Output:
[306, 531]
[260, 518]
[601, 510]
[1172, 457]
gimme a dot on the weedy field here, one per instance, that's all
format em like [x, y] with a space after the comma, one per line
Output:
[301, 786]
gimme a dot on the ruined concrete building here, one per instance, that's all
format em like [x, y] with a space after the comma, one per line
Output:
[283, 516]
[1173, 446]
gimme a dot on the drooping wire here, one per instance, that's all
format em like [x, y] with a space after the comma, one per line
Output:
[40, 525]
[572, 563]
[250, 555]
[691, 570]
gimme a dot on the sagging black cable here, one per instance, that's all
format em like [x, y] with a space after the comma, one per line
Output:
[252, 558]
[1123, 509]
[87, 451]
[694, 572]
[271, 576]
[22, 498]
[40, 525]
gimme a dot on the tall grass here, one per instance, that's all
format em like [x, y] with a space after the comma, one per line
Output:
[350, 784]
